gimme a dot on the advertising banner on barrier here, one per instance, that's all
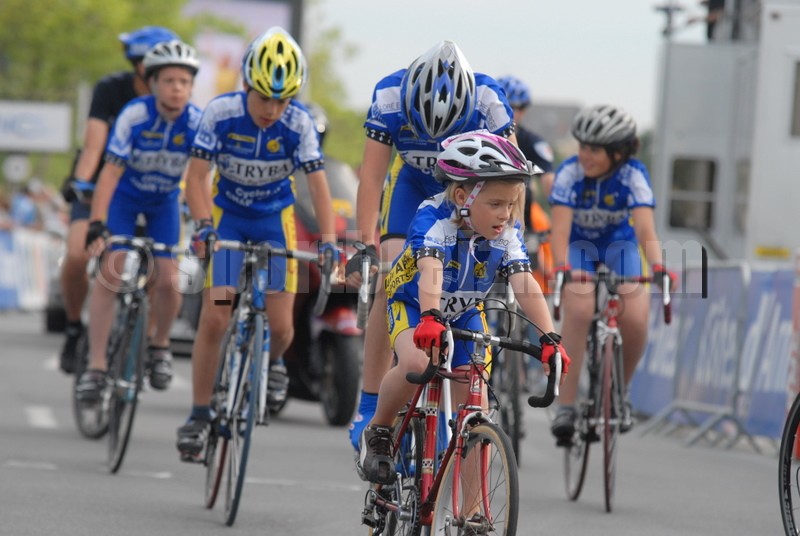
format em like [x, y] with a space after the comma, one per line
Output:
[8, 270]
[766, 352]
[653, 384]
[707, 365]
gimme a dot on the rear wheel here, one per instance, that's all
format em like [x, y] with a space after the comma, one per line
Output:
[243, 417]
[125, 376]
[341, 374]
[576, 456]
[485, 485]
[789, 470]
[611, 404]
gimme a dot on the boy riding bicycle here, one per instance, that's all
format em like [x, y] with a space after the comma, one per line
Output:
[458, 241]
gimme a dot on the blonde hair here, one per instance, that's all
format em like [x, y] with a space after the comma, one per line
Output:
[517, 210]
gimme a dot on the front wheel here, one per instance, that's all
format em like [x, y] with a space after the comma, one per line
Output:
[125, 377]
[217, 443]
[480, 490]
[243, 417]
[611, 411]
[341, 374]
[789, 471]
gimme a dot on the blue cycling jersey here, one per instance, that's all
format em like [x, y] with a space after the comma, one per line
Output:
[469, 266]
[602, 208]
[387, 124]
[153, 151]
[254, 165]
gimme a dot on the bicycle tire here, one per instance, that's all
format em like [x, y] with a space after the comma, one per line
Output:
[126, 378]
[506, 386]
[498, 491]
[244, 417]
[91, 419]
[611, 408]
[217, 442]
[576, 455]
[789, 471]
[341, 376]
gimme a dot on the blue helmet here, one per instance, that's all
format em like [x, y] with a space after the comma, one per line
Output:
[138, 42]
[517, 92]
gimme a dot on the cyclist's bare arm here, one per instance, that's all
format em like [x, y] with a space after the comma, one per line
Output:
[559, 237]
[374, 165]
[645, 227]
[321, 198]
[198, 188]
[104, 191]
[94, 144]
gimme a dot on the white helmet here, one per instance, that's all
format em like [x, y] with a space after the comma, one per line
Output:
[604, 125]
[437, 93]
[481, 156]
[168, 54]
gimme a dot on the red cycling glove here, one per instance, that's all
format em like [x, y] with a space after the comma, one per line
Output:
[658, 274]
[549, 349]
[430, 329]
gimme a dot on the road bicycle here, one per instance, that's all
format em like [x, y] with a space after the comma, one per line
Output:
[239, 397]
[472, 485]
[789, 470]
[125, 353]
[600, 405]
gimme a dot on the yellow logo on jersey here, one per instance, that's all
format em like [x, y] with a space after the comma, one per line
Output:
[274, 146]
[608, 199]
[453, 264]
[179, 139]
[152, 135]
[480, 270]
[402, 272]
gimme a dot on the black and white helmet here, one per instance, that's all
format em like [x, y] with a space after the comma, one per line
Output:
[168, 54]
[604, 125]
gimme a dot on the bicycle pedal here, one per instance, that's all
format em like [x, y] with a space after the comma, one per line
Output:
[193, 458]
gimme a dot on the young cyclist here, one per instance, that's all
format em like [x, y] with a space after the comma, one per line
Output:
[145, 159]
[412, 111]
[458, 241]
[256, 137]
[602, 210]
[111, 94]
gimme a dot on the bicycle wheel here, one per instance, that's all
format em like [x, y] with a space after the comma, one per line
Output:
[789, 470]
[243, 416]
[576, 456]
[90, 418]
[406, 491]
[126, 375]
[611, 410]
[486, 486]
[217, 442]
[507, 391]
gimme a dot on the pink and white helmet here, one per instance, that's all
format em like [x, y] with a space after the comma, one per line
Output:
[481, 156]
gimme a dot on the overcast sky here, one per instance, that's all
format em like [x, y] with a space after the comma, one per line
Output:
[568, 51]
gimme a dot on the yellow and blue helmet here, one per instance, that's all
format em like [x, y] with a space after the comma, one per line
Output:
[274, 65]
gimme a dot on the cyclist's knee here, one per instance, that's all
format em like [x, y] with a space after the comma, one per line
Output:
[281, 332]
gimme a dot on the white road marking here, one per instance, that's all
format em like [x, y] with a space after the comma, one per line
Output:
[159, 475]
[51, 363]
[19, 464]
[41, 417]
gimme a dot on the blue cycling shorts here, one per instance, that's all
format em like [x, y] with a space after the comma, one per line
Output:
[403, 192]
[622, 257]
[277, 229]
[163, 219]
[402, 316]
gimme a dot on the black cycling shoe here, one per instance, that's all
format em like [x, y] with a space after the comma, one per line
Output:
[160, 367]
[192, 439]
[563, 426]
[73, 331]
[90, 386]
[375, 462]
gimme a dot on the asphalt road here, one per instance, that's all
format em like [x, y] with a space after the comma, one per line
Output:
[301, 479]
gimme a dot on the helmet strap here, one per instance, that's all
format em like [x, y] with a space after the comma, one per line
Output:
[464, 211]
